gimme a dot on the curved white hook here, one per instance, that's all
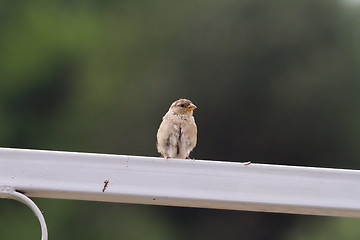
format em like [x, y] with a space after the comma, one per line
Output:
[10, 193]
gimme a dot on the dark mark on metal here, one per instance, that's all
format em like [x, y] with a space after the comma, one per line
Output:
[106, 182]
[19, 191]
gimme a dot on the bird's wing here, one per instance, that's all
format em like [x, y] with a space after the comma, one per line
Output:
[164, 132]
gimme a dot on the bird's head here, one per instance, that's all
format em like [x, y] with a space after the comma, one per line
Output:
[183, 107]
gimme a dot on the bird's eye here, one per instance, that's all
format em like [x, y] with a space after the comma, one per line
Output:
[182, 105]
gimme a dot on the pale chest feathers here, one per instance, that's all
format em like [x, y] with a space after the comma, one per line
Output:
[177, 136]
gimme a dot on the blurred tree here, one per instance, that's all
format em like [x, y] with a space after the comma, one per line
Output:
[325, 228]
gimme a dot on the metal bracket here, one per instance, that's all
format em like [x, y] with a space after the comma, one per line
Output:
[10, 193]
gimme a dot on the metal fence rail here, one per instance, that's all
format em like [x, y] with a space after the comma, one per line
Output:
[176, 182]
[11, 193]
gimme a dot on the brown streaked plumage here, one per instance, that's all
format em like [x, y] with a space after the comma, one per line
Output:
[177, 134]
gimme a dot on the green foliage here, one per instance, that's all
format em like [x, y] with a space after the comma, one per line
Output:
[326, 229]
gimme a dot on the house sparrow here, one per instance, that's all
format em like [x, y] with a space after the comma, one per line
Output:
[177, 133]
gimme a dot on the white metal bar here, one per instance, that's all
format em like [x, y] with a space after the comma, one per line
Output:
[10, 193]
[177, 182]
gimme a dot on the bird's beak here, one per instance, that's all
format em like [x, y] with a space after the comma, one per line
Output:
[191, 107]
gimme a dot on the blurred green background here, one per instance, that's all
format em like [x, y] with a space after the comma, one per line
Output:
[275, 81]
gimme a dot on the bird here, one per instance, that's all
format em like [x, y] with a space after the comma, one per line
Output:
[177, 134]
